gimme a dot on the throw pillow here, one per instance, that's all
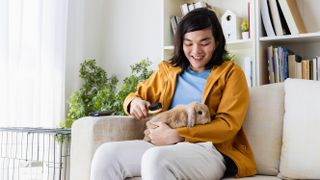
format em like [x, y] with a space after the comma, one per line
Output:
[263, 126]
[300, 153]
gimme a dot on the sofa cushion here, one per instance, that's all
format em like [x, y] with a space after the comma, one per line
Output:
[263, 126]
[258, 177]
[300, 154]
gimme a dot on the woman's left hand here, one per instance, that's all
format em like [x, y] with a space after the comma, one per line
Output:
[164, 135]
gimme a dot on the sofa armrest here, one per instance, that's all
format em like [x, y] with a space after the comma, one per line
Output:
[88, 133]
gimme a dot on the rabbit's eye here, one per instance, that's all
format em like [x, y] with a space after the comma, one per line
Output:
[200, 112]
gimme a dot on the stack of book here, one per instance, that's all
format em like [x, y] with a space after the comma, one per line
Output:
[281, 17]
[185, 9]
[283, 64]
[174, 21]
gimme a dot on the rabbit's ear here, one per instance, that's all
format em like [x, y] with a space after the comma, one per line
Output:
[192, 113]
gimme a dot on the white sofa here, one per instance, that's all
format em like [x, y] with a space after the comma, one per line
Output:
[282, 125]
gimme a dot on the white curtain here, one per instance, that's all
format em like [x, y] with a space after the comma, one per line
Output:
[32, 62]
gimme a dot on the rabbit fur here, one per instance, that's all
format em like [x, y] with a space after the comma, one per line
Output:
[180, 116]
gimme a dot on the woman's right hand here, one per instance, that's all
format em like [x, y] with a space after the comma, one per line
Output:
[139, 108]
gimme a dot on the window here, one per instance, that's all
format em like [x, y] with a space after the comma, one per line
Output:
[32, 62]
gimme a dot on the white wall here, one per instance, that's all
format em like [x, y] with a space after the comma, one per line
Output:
[85, 31]
[117, 33]
[133, 32]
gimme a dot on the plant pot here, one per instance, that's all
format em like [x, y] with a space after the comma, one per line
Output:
[245, 35]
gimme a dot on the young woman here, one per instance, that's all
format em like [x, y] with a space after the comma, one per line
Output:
[197, 72]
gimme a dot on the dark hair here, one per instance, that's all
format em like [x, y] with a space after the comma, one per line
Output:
[195, 20]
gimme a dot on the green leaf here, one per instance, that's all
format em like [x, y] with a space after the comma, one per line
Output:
[100, 92]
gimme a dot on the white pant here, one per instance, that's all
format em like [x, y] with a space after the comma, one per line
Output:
[119, 160]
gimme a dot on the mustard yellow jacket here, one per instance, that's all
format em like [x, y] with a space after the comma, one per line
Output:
[226, 95]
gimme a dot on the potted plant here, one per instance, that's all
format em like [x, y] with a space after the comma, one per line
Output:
[245, 29]
[99, 92]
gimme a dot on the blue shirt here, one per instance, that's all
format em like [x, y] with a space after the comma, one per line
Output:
[189, 87]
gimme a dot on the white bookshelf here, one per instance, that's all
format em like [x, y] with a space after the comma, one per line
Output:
[297, 38]
[306, 45]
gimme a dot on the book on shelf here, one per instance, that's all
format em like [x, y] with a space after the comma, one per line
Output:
[293, 59]
[305, 71]
[174, 21]
[247, 65]
[191, 7]
[276, 64]
[285, 55]
[248, 68]
[184, 9]
[250, 11]
[173, 24]
[270, 64]
[298, 74]
[275, 15]
[292, 16]
[187, 7]
[314, 69]
[266, 18]
[311, 77]
[281, 63]
[284, 24]
[291, 66]
[318, 67]
[201, 4]
[284, 63]
[310, 69]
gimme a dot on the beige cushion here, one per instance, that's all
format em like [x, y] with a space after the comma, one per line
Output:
[258, 177]
[88, 133]
[300, 155]
[232, 178]
[263, 126]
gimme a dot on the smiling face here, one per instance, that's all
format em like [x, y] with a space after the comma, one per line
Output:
[198, 47]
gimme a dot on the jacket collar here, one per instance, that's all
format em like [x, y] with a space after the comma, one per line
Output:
[215, 74]
[217, 71]
[170, 70]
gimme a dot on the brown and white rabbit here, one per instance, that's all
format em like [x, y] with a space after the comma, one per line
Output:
[180, 116]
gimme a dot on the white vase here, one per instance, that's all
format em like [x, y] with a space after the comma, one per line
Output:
[245, 35]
